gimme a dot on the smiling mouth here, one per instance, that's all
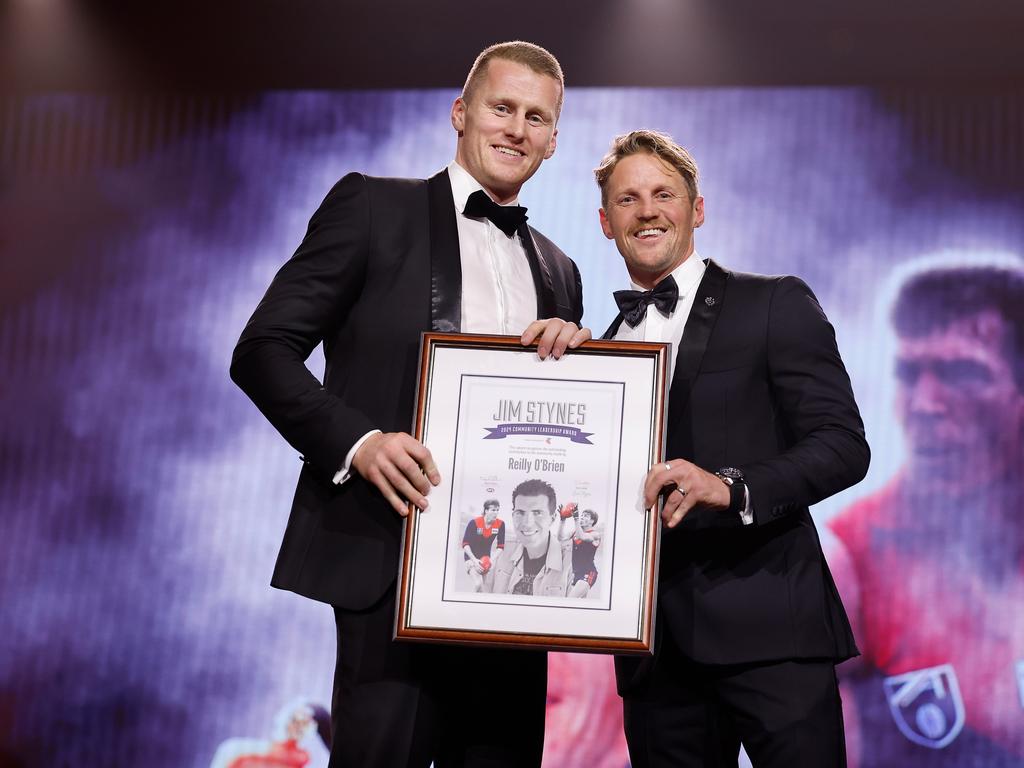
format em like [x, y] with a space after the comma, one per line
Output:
[649, 233]
[508, 151]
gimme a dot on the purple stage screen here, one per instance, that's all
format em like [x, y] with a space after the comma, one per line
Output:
[143, 496]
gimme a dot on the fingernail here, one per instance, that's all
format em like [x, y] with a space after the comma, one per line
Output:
[542, 352]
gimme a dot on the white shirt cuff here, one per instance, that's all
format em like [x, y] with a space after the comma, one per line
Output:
[747, 513]
[345, 472]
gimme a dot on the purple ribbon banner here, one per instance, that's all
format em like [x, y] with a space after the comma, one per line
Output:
[502, 431]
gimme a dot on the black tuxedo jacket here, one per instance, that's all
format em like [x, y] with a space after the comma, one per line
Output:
[758, 385]
[379, 265]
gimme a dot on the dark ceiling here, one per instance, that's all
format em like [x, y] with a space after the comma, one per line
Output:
[241, 45]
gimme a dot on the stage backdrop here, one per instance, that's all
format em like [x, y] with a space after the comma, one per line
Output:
[143, 496]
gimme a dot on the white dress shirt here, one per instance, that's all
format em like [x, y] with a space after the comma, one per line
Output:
[498, 293]
[655, 326]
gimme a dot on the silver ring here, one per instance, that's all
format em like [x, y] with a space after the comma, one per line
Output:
[668, 467]
[682, 491]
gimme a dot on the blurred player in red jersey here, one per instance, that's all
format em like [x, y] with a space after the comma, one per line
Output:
[935, 584]
[296, 726]
[584, 714]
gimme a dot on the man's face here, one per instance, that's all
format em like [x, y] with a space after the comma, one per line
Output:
[960, 406]
[650, 217]
[532, 517]
[508, 127]
[586, 521]
[490, 513]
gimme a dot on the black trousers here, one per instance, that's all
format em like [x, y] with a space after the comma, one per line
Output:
[399, 704]
[787, 714]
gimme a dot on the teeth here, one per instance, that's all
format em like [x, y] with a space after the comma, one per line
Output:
[649, 232]
[509, 151]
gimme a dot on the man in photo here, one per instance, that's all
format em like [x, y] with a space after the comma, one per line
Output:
[540, 563]
[482, 540]
[384, 260]
[761, 424]
[585, 542]
[936, 587]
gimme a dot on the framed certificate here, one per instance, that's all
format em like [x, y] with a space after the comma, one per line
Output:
[537, 535]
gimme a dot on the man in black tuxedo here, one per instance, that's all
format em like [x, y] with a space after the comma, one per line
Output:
[762, 423]
[382, 261]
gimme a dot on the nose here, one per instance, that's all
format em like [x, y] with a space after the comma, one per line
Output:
[515, 126]
[927, 395]
[646, 209]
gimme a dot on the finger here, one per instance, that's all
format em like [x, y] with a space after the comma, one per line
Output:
[681, 508]
[547, 339]
[423, 457]
[669, 502]
[412, 472]
[380, 480]
[562, 339]
[431, 471]
[533, 330]
[403, 487]
[582, 335]
[657, 478]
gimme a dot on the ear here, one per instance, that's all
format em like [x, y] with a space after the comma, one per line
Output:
[459, 115]
[605, 226]
[698, 212]
[551, 145]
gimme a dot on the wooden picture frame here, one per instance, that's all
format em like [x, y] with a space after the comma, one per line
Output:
[537, 535]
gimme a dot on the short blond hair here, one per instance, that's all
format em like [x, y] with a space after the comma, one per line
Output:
[656, 143]
[529, 55]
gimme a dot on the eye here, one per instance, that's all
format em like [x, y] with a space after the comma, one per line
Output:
[536, 119]
[907, 371]
[502, 108]
[625, 200]
[665, 196]
[963, 373]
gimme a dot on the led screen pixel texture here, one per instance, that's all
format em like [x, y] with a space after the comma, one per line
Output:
[143, 496]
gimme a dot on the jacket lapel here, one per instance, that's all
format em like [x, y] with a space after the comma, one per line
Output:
[541, 273]
[445, 260]
[613, 328]
[706, 306]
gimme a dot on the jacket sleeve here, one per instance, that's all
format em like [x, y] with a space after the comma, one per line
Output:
[815, 410]
[578, 304]
[306, 302]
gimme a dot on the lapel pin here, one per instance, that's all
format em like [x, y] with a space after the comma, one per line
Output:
[709, 300]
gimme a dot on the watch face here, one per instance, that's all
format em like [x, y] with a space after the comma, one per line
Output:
[731, 472]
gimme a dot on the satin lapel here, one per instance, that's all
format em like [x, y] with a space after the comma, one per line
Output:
[445, 260]
[613, 328]
[699, 325]
[541, 273]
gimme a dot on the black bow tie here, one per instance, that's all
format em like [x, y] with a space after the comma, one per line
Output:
[507, 218]
[633, 304]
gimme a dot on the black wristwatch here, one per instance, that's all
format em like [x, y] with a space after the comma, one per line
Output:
[737, 487]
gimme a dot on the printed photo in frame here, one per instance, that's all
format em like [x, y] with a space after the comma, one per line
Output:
[537, 535]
